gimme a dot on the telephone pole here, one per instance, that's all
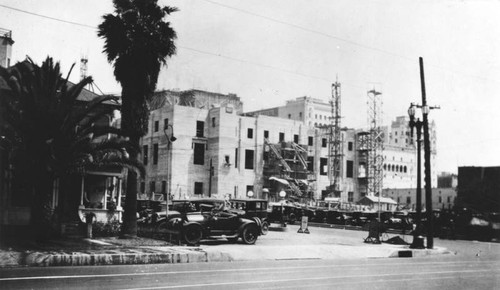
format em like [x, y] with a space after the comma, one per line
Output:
[427, 162]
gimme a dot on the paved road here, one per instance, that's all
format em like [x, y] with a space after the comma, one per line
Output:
[425, 273]
[473, 265]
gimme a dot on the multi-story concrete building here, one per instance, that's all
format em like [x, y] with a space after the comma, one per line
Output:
[220, 150]
[400, 155]
[6, 43]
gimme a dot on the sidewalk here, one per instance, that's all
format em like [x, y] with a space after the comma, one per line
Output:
[113, 251]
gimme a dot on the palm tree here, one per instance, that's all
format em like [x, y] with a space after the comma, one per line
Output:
[137, 42]
[55, 135]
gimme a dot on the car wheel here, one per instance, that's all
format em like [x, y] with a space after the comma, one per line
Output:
[264, 229]
[192, 234]
[250, 234]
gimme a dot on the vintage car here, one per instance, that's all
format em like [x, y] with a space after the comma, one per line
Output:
[194, 220]
[283, 213]
[255, 209]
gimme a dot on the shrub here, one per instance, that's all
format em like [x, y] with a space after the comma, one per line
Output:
[109, 229]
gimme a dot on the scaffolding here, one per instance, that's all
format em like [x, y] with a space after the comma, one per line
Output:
[335, 143]
[375, 144]
[288, 161]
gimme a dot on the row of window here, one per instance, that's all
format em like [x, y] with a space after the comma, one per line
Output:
[395, 168]
[198, 187]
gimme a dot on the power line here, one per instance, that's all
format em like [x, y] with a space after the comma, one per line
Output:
[310, 30]
[48, 17]
[412, 60]
[273, 20]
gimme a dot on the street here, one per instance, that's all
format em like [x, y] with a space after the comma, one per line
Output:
[471, 265]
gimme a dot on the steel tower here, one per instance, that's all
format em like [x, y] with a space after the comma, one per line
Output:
[335, 142]
[376, 143]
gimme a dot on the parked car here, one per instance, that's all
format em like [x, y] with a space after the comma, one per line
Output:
[255, 209]
[282, 213]
[200, 220]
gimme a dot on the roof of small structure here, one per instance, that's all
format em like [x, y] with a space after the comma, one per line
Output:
[376, 199]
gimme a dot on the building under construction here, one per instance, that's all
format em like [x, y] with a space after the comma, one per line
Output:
[286, 165]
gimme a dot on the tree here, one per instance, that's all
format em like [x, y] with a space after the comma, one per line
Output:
[137, 42]
[53, 135]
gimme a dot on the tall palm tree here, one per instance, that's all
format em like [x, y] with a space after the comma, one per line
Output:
[137, 42]
[53, 134]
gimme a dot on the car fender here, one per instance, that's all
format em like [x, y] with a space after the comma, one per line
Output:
[247, 222]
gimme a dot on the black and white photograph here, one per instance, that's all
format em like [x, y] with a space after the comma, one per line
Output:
[249, 144]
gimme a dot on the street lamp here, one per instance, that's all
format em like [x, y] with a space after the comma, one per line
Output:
[170, 138]
[418, 242]
[282, 194]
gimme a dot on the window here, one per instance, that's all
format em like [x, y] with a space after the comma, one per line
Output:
[249, 133]
[143, 187]
[155, 153]
[408, 199]
[248, 159]
[349, 146]
[323, 142]
[145, 154]
[289, 116]
[213, 121]
[163, 186]
[310, 163]
[323, 166]
[296, 138]
[199, 153]
[300, 115]
[236, 158]
[266, 134]
[350, 196]
[165, 123]
[152, 186]
[198, 188]
[226, 160]
[157, 126]
[350, 169]
[282, 136]
[200, 127]
[448, 199]
[440, 199]
[310, 141]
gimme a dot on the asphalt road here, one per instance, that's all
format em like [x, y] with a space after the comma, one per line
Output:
[473, 265]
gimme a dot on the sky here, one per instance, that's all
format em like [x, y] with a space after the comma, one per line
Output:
[271, 51]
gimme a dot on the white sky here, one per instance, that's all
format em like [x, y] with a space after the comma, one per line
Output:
[271, 51]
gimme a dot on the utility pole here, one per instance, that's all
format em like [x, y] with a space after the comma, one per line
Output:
[211, 173]
[427, 162]
[427, 159]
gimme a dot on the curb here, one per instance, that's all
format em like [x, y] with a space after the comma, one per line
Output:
[414, 253]
[122, 257]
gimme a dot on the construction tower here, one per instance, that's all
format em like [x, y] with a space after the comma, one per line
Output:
[335, 143]
[83, 67]
[375, 144]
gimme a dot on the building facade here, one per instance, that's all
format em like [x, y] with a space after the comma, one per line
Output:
[479, 188]
[221, 151]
